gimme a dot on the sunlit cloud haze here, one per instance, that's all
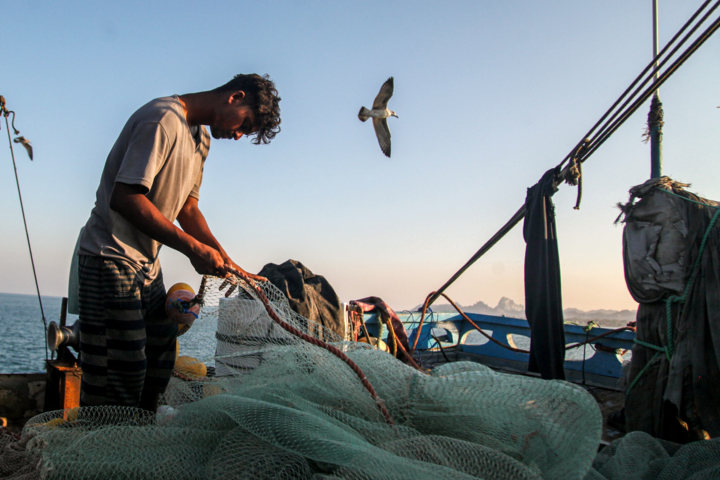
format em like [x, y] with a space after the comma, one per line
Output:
[489, 94]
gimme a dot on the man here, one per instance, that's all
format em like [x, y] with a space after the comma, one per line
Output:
[152, 177]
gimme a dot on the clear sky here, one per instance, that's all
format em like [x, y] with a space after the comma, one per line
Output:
[490, 94]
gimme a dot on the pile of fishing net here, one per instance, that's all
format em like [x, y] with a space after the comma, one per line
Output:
[639, 456]
[255, 401]
[14, 460]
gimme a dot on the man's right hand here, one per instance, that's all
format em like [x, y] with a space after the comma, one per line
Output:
[207, 261]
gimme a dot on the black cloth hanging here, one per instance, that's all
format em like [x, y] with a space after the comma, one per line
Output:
[543, 293]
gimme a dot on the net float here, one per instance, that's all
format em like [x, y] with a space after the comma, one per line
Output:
[181, 305]
[189, 368]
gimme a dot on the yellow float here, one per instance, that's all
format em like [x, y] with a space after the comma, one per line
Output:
[54, 423]
[376, 343]
[189, 368]
[72, 414]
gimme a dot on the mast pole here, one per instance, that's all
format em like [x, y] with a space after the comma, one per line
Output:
[655, 117]
[656, 42]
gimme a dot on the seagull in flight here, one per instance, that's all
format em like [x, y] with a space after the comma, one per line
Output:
[379, 115]
[25, 143]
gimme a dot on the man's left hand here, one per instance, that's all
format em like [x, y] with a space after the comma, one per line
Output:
[234, 266]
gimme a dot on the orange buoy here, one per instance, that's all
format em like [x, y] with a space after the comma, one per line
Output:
[189, 368]
[177, 304]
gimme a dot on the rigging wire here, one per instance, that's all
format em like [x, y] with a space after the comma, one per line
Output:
[5, 112]
[586, 147]
[601, 138]
[649, 66]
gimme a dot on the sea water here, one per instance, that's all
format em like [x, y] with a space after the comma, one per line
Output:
[22, 341]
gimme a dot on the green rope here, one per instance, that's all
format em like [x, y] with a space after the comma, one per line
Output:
[688, 199]
[654, 347]
[691, 281]
[642, 372]
[669, 349]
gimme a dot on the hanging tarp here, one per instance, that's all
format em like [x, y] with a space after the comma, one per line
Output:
[674, 376]
[655, 242]
[543, 293]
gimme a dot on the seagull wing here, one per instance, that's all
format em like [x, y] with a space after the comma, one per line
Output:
[25, 143]
[386, 91]
[383, 134]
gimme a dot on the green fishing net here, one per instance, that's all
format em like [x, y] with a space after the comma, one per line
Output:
[257, 402]
[639, 456]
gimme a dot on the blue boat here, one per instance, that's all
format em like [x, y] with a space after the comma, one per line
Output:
[449, 334]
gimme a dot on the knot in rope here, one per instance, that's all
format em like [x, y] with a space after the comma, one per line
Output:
[573, 175]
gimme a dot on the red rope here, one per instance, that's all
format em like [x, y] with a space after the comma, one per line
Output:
[422, 320]
[516, 350]
[319, 343]
[399, 345]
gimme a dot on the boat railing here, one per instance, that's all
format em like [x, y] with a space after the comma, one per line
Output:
[596, 363]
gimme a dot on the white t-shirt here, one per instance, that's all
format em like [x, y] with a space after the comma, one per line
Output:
[160, 151]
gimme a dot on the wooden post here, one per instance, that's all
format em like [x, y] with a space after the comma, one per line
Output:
[62, 389]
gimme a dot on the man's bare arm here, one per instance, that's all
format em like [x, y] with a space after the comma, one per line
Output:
[193, 222]
[130, 202]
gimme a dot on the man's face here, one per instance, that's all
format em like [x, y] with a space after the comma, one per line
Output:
[233, 119]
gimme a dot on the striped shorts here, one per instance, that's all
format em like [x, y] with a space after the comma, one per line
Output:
[127, 343]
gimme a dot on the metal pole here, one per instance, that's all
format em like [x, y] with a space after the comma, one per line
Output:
[656, 42]
[655, 117]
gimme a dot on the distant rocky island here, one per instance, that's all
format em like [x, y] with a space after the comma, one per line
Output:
[506, 307]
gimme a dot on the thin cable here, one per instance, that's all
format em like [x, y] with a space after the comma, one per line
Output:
[442, 350]
[623, 113]
[27, 235]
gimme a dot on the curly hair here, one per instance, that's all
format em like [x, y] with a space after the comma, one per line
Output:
[262, 96]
